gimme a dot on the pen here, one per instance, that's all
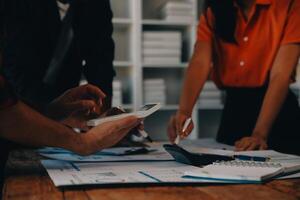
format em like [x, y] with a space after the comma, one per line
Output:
[185, 126]
[145, 135]
[251, 158]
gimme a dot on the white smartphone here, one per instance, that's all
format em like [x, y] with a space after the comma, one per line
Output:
[143, 112]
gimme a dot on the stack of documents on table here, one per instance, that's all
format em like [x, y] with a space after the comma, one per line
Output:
[178, 11]
[210, 96]
[243, 171]
[117, 174]
[117, 93]
[155, 91]
[277, 166]
[161, 47]
[119, 167]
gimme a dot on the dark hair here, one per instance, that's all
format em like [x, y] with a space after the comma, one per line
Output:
[225, 14]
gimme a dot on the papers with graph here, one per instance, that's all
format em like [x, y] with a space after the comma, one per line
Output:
[119, 173]
[135, 166]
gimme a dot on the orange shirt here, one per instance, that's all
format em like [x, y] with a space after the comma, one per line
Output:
[271, 23]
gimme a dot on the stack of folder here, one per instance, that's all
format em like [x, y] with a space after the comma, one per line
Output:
[155, 91]
[210, 96]
[178, 11]
[117, 93]
[162, 47]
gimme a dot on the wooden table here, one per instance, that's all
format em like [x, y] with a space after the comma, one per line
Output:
[26, 179]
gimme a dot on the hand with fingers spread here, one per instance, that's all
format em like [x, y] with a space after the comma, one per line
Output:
[77, 105]
[251, 143]
[175, 126]
[107, 134]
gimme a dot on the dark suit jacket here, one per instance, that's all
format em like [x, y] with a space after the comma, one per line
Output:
[32, 29]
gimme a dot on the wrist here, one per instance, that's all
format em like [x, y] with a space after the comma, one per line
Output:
[74, 142]
[260, 134]
[184, 112]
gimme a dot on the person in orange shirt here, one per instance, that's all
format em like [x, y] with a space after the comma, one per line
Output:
[250, 49]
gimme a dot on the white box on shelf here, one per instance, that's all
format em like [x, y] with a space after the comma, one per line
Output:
[117, 93]
[154, 81]
[162, 45]
[161, 52]
[154, 87]
[211, 95]
[178, 5]
[178, 12]
[161, 60]
[210, 85]
[180, 18]
[162, 35]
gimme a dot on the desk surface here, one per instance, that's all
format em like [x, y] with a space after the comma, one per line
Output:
[26, 179]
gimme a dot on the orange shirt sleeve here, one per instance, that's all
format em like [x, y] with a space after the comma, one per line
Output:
[204, 31]
[292, 30]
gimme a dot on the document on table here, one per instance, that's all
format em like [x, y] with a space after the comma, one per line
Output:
[65, 173]
[108, 155]
[115, 151]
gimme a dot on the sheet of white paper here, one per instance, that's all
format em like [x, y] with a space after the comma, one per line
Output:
[67, 174]
[273, 155]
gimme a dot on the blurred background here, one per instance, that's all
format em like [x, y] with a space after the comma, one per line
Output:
[154, 41]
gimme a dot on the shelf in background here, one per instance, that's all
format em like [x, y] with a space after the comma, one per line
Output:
[295, 85]
[178, 65]
[127, 106]
[159, 22]
[122, 64]
[121, 22]
[169, 107]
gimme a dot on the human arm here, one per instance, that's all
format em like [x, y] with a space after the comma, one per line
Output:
[195, 77]
[23, 125]
[280, 78]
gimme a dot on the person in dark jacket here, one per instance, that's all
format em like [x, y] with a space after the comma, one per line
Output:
[50, 45]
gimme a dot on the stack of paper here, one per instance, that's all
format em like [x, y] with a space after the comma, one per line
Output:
[114, 167]
[117, 173]
[162, 47]
[155, 91]
[178, 11]
[117, 93]
[210, 96]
